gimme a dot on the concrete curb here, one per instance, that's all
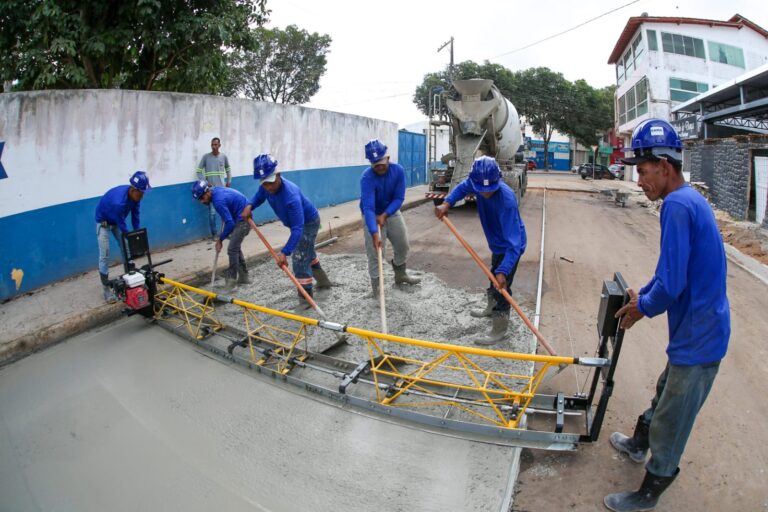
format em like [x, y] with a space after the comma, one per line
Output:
[50, 335]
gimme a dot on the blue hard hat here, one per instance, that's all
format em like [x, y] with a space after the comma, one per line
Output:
[653, 139]
[140, 181]
[263, 166]
[375, 150]
[199, 188]
[485, 174]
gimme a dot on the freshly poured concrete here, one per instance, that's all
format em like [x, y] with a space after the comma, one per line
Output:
[132, 417]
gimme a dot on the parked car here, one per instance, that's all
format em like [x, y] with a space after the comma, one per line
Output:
[531, 165]
[575, 168]
[617, 170]
[600, 172]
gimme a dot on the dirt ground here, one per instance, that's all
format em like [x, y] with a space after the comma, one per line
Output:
[724, 466]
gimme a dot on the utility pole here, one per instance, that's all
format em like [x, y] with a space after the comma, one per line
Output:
[450, 68]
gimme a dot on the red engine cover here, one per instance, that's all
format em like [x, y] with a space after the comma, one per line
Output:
[137, 298]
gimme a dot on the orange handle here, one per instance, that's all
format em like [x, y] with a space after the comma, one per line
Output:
[496, 285]
[290, 275]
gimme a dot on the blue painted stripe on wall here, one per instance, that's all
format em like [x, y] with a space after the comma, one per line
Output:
[59, 241]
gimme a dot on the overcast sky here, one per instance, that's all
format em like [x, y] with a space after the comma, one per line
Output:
[382, 50]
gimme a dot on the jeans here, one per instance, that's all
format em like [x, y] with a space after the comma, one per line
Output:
[102, 235]
[502, 306]
[393, 229]
[213, 219]
[235, 253]
[304, 258]
[680, 393]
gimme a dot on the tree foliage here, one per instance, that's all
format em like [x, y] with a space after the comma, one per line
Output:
[285, 65]
[175, 45]
[548, 101]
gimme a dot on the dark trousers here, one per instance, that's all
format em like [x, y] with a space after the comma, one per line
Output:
[502, 306]
[235, 253]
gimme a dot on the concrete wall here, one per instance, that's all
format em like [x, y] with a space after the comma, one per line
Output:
[64, 149]
[725, 166]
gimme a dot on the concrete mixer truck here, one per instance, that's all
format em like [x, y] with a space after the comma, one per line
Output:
[480, 121]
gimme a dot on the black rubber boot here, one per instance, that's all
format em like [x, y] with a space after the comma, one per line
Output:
[644, 498]
[321, 278]
[484, 313]
[106, 290]
[636, 447]
[243, 277]
[401, 276]
[374, 288]
[303, 303]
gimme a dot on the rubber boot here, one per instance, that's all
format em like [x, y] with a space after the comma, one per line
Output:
[636, 447]
[401, 277]
[242, 276]
[644, 498]
[375, 288]
[106, 290]
[303, 303]
[321, 278]
[484, 313]
[499, 329]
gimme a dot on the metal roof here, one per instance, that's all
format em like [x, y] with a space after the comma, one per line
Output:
[737, 21]
[741, 102]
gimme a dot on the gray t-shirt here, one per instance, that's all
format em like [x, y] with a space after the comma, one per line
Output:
[214, 169]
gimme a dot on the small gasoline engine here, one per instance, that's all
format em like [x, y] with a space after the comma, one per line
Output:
[137, 286]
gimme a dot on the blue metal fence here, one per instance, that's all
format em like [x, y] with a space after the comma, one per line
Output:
[412, 155]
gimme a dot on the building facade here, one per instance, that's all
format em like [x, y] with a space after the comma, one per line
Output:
[664, 61]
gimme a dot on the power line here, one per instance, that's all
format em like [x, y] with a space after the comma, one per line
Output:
[566, 31]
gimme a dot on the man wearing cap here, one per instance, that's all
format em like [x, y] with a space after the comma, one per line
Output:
[229, 203]
[382, 192]
[113, 208]
[690, 286]
[214, 168]
[297, 213]
[505, 232]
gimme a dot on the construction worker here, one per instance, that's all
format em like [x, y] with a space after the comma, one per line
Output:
[689, 285]
[382, 192]
[111, 212]
[297, 213]
[229, 203]
[505, 232]
[214, 168]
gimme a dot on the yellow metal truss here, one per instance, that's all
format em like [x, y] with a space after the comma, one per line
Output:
[453, 370]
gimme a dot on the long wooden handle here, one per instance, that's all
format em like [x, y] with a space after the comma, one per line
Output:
[382, 305]
[290, 275]
[496, 285]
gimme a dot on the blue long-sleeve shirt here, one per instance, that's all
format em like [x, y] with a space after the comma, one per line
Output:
[379, 194]
[291, 207]
[503, 227]
[229, 204]
[115, 206]
[690, 281]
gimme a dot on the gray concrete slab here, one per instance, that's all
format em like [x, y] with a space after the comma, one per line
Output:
[132, 417]
[52, 313]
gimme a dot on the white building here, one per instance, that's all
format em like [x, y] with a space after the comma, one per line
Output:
[664, 61]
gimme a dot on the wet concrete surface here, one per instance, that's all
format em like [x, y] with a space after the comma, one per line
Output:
[132, 417]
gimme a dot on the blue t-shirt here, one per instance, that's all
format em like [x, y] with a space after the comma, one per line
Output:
[115, 206]
[379, 194]
[503, 227]
[690, 281]
[229, 203]
[291, 207]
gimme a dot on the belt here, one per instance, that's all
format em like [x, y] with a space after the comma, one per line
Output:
[106, 224]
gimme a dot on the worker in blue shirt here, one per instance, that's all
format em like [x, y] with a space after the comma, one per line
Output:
[297, 213]
[111, 212]
[229, 203]
[504, 230]
[382, 192]
[690, 286]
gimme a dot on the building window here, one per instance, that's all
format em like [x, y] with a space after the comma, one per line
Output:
[682, 45]
[630, 60]
[683, 90]
[653, 45]
[726, 54]
[634, 103]
[637, 49]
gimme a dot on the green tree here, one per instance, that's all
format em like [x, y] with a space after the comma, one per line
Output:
[285, 66]
[176, 45]
[590, 112]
